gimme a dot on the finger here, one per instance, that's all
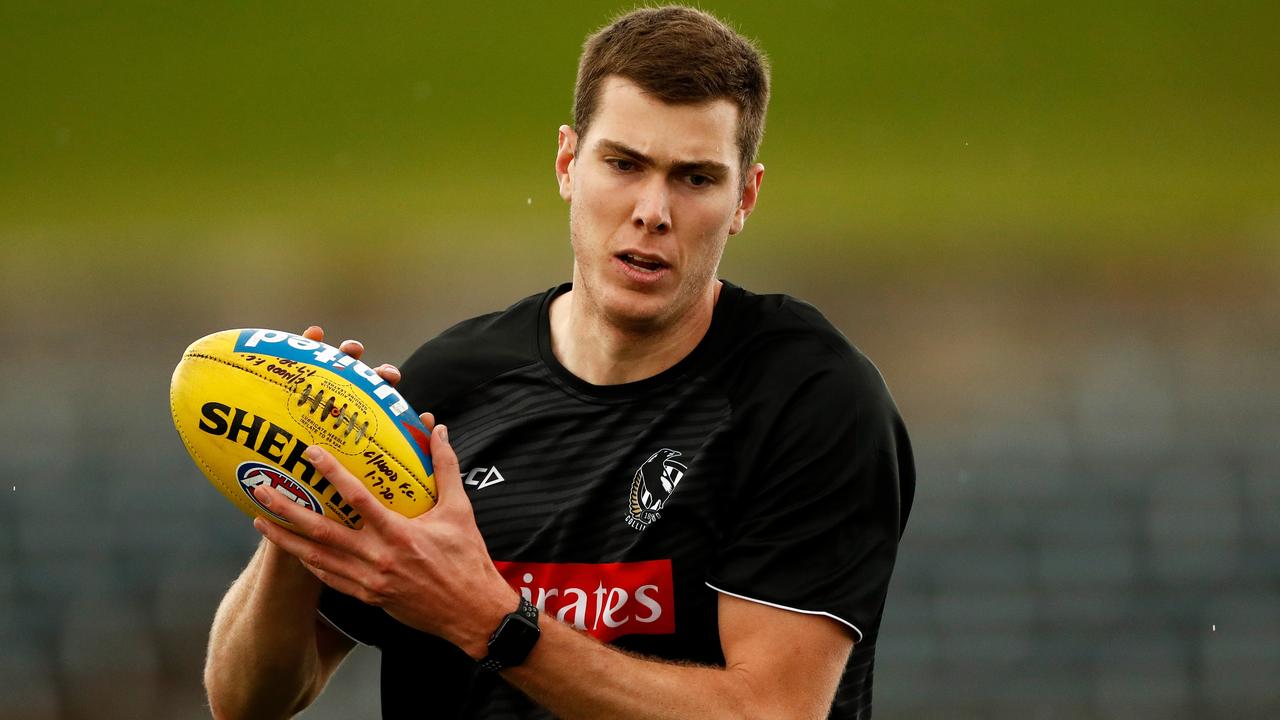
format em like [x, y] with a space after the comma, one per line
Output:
[444, 462]
[389, 372]
[354, 348]
[428, 420]
[352, 490]
[306, 522]
[315, 557]
[314, 332]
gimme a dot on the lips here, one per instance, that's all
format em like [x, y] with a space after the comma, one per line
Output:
[644, 263]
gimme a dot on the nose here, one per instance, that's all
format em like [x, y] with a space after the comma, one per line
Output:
[652, 212]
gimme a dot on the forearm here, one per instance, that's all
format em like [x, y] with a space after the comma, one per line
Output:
[575, 676]
[263, 660]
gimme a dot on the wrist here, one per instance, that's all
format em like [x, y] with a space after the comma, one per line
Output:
[485, 619]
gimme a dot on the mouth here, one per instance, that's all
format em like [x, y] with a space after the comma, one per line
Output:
[642, 263]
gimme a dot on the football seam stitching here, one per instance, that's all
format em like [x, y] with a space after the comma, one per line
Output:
[273, 381]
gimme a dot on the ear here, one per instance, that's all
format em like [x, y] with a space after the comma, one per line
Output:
[565, 154]
[750, 195]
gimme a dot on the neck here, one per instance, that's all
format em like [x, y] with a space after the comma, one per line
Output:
[605, 353]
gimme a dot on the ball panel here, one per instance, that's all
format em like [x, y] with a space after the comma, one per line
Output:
[246, 417]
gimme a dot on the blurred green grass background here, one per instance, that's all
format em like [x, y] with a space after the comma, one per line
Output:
[1055, 228]
[898, 131]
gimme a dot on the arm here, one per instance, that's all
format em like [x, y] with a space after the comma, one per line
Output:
[780, 664]
[269, 653]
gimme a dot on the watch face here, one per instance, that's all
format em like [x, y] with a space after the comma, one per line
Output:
[514, 639]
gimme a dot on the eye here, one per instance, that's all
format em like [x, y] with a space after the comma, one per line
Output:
[700, 180]
[621, 164]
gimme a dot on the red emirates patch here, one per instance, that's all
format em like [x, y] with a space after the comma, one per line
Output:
[607, 600]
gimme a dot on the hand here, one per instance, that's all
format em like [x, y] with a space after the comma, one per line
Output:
[432, 572]
[355, 349]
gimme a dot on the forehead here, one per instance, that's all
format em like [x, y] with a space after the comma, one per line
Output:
[665, 132]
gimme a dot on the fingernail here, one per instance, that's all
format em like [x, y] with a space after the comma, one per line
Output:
[444, 433]
[312, 453]
[266, 497]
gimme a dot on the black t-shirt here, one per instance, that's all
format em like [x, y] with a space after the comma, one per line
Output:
[769, 464]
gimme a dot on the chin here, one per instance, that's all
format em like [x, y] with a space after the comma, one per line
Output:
[632, 316]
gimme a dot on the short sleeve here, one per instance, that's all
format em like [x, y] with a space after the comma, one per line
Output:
[362, 623]
[415, 665]
[826, 482]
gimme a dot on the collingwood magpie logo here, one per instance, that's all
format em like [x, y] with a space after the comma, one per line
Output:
[654, 482]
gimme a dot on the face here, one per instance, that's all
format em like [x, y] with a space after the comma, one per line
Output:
[654, 193]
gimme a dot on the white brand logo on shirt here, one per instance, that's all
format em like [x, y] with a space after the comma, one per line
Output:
[606, 600]
[482, 477]
[654, 482]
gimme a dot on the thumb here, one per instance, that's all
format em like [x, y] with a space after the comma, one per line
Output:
[445, 463]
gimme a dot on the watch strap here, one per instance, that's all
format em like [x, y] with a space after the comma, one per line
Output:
[528, 610]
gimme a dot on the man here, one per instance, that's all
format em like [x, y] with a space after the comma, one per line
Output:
[681, 500]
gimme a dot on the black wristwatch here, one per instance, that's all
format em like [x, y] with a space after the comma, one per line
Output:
[514, 639]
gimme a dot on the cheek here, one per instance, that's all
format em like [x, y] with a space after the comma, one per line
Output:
[588, 236]
[714, 226]
[595, 205]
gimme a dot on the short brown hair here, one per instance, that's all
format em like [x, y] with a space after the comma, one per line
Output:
[681, 56]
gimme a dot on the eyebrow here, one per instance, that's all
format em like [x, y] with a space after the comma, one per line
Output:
[708, 167]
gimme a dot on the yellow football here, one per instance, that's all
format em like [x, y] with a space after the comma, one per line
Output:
[247, 403]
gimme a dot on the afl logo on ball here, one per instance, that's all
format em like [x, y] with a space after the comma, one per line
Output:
[253, 474]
